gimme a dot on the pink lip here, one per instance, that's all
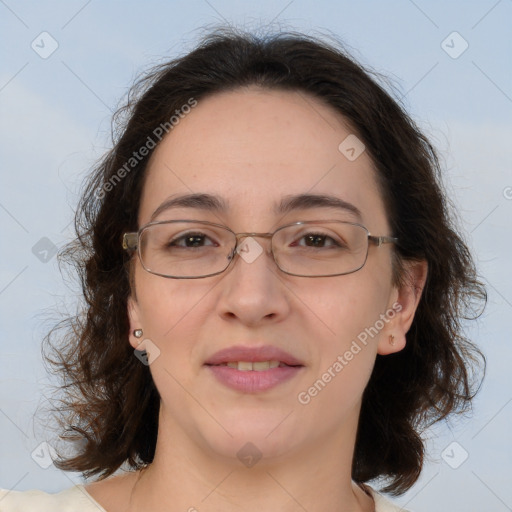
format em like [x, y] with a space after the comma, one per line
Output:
[253, 381]
[253, 354]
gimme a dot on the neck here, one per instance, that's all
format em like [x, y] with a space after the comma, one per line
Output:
[188, 477]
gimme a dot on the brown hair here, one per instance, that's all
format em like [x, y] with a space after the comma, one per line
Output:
[110, 402]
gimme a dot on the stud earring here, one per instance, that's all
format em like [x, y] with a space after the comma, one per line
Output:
[392, 340]
[137, 333]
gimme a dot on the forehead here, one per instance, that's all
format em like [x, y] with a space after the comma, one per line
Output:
[254, 147]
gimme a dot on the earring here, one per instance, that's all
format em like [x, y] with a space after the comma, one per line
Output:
[392, 340]
[137, 333]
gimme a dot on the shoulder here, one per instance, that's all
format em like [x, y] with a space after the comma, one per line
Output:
[73, 499]
[382, 504]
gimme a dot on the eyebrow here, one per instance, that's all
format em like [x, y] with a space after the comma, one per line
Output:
[214, 203]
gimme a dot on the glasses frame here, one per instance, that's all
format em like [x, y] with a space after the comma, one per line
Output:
[131, 243]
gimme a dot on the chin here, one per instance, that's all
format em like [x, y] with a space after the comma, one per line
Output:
[252, 442]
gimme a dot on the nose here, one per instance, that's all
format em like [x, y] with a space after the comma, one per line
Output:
[252, 290]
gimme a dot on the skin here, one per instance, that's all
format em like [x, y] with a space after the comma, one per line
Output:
[253, 147]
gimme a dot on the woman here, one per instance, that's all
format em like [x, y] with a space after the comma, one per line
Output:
[273, 285]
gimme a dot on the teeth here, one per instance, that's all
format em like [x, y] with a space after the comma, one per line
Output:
[256, 366]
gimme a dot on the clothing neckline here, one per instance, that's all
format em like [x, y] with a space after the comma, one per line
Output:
[378, 499]
[86, 493]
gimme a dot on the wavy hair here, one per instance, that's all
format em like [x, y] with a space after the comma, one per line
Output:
[109, 407]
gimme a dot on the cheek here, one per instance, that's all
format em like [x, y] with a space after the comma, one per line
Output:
[346, 350]
[168, 310]
[350, 312]
[347, 305]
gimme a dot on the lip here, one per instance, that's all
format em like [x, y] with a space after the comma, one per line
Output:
[253, 381]
[253, 354]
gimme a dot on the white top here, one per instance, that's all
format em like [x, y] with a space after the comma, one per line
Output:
[77, 499]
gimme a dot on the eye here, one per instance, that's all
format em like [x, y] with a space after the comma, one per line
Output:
[318, 240]
[191, 240]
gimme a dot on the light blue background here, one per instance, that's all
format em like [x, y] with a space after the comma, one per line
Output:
[55, 121]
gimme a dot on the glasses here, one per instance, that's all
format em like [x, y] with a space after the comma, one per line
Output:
[192, 249]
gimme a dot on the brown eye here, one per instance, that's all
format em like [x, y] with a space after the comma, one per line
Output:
[190, 240]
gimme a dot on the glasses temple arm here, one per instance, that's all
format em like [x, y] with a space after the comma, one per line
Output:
[379, 240]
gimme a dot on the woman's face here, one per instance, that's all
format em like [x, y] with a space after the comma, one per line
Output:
[253, 149]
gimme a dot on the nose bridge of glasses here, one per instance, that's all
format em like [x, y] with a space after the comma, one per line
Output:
[241, 236]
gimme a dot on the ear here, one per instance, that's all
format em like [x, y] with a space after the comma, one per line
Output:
[404, 302]
[135, 322]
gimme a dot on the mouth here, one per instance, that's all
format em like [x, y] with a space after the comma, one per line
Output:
[257, 366]
[250, 377]
[245, 357]
[253, 369]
